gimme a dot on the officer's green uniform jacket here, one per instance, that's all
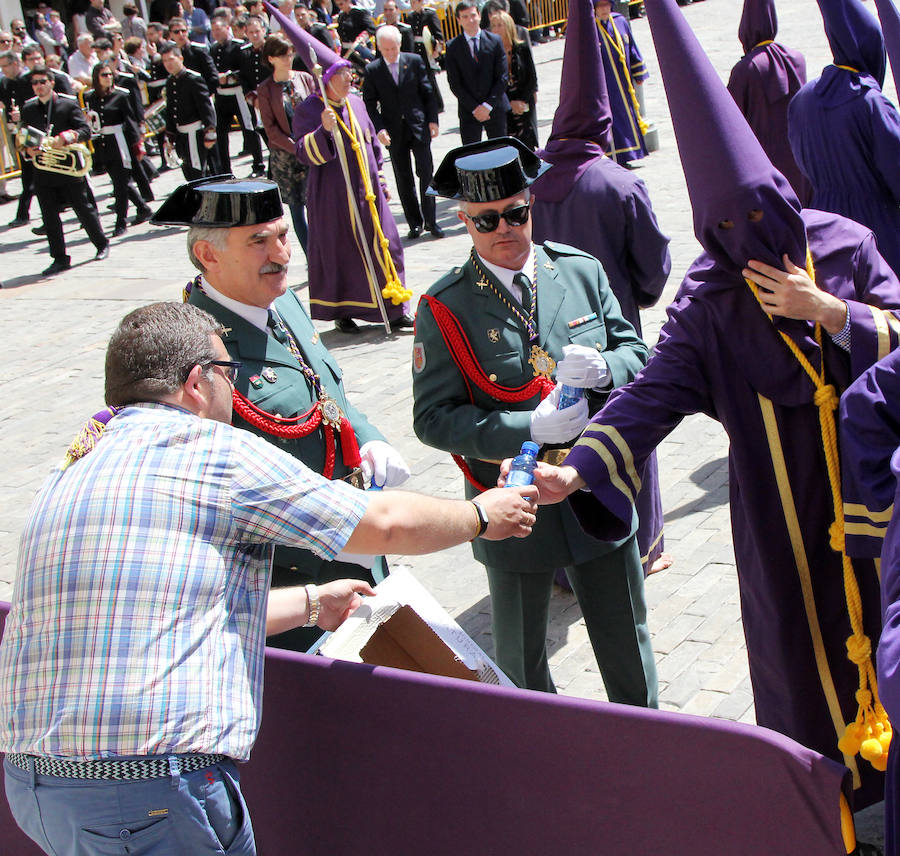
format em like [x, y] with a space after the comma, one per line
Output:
[571, 286]
[290, 394]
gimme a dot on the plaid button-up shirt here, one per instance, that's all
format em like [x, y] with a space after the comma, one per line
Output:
[138, 618]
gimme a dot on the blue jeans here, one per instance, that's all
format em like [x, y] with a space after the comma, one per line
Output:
[202, 812]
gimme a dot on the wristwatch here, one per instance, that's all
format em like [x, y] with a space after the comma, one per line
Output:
[482, 518]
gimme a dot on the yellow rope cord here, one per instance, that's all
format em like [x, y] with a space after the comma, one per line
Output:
[619, 47]
[764, 43]
[847, 68]
[870, 733]
[393, 289]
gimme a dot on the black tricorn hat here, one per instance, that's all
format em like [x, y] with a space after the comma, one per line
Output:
[487, 171]
[221, 201]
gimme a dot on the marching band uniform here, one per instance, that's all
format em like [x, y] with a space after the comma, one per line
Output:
[230, 102]
[61, 115]
[349, 27]
[189, 115]
[466, 401]
[252, 71]
[197, 58]
[419, 21]
[112, 117]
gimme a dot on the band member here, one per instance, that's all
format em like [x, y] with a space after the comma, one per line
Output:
[190, 116]
[428, 45]
[119, 146]
[253, 70]
[355, 26]
[230, 101]
[60, 117]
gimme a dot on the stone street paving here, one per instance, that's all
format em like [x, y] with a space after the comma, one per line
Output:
[54, 335]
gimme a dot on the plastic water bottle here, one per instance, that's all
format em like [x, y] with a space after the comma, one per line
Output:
[521, 472]
[569, 395]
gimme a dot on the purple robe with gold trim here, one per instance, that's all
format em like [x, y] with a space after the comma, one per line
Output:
[719, 354]
[628, 141]
[340, 282]
[590, 202]
[870, 442]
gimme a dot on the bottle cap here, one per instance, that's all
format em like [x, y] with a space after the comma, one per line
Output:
[530, 448]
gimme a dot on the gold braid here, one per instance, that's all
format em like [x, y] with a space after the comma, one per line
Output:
[393, 289]
[870, 733]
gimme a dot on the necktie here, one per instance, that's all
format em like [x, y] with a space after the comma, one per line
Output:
[395, 72]
[473, 46]
[525, 285]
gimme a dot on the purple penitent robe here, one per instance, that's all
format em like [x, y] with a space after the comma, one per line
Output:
[845, 136]
[719, 354]
[590, 202]
[762, 84]
[341, 283]
[870, 444]
[623, 63]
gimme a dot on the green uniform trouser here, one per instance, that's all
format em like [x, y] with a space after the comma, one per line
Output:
[610, 592]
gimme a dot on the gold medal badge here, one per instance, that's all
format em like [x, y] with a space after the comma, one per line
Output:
[542, 363]
[331, 412]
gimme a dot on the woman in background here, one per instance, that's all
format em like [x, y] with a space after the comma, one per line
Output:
[521, 120]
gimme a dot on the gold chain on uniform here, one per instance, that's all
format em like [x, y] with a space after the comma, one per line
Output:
[527, 321]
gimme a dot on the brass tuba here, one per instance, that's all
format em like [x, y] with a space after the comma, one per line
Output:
[73, 160]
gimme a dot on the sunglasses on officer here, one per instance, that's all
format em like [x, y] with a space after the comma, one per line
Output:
[490, 220]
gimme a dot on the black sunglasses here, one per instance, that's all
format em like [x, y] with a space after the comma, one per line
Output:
[231, 368]
[490, 220]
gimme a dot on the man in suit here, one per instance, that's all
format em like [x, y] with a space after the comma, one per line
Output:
[286, 370]
[400, 101]
[477, 74]
[514, 312]
[60, 117]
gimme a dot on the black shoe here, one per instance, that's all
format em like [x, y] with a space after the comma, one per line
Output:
[346, 325]
[120, 229]
[57, 267]
[5, 197]
[436, 231]
[111, 206]
[142, 216]
[39, 230]
[102, 253]
[414, 233]
[404, 322]
[18, 221]
[257, 171]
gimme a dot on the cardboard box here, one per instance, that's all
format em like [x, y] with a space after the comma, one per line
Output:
[404, 627]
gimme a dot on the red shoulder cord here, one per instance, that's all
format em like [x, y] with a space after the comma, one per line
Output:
[294, 427]
[461, 350]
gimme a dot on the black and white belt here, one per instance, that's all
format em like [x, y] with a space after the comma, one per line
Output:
[125, 770]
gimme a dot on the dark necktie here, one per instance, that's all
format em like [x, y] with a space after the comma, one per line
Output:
[473, 46]
[283, 335]
[525, 285]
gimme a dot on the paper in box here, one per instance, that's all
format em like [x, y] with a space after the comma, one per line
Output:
[404, 627]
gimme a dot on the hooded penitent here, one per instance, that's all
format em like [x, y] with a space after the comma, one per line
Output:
[783, 370]
[890, 29]
[762, 84]
[854, 37]
[743, 207]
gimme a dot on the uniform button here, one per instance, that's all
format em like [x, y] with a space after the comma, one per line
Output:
[492, 377]
[125, 834]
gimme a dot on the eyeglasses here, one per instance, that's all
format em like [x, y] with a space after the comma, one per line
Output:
[230, 368]
[490, 220]
[5, 41]
[106, 74]
[40, 81]
[175, 32]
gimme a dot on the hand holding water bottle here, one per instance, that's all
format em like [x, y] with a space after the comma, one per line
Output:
[583, 367]
[549, 425]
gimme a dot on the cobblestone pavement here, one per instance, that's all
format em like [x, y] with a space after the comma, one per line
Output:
[56, 332]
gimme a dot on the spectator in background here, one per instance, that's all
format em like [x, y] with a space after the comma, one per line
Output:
[99, 19]
[322, 8]
[82, 62]
[133, 25]
[32, 57]
[197, 20]
[522, 85]
[17, 25]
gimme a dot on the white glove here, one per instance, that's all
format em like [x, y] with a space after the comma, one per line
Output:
[382, 464]
[584, 367]
[549, 425]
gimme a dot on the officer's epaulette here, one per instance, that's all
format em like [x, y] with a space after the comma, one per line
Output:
[452, 276]
[125, 75]
[67, 97]
[33, 100]
[191, 73]
[247, 46]
[200, 46]
[122, 89]
[564, 249]
[88, 93]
